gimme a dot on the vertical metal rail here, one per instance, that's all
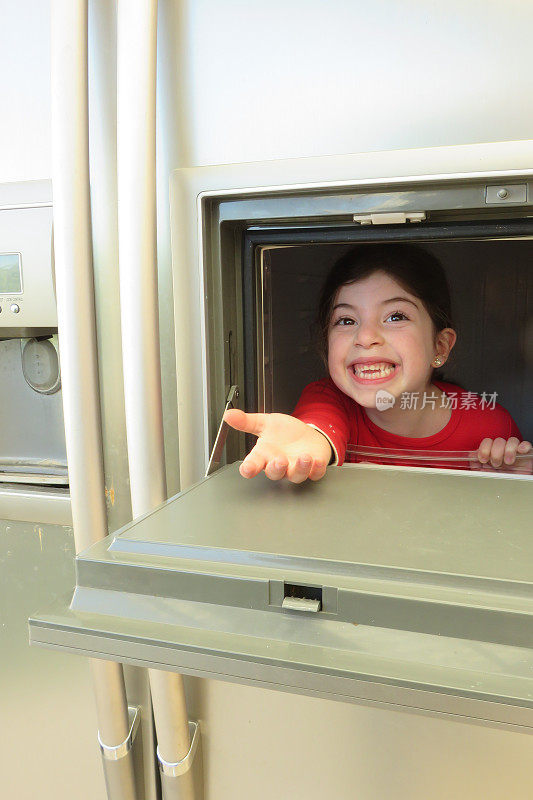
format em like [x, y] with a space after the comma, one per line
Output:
[77, 332]
[136, 122]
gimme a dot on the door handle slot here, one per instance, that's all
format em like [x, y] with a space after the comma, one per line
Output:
[302, 598]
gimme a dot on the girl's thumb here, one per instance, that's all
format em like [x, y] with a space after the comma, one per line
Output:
[241, 421]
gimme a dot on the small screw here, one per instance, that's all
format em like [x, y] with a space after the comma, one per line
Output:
[503, 193]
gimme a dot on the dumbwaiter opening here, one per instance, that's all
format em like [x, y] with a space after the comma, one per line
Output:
[488, 367]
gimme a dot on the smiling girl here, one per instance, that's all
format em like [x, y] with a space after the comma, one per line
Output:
[385, 325]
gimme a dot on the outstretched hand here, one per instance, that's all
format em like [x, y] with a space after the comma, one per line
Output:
[285, 446]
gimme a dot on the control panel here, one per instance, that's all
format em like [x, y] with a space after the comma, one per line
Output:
[27, 292]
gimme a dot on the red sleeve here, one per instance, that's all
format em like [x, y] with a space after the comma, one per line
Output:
[493, 423]
[514, 429]
[322, 405]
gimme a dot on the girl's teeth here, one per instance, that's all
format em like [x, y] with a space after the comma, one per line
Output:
[373, 370]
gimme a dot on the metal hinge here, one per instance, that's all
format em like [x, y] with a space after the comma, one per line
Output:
[390, 218]
[223, 428]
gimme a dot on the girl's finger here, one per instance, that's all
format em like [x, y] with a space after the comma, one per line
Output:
[276, 468]
[255, 461]
[511, 446]
[258, 458]
[484, 449]
[497, 451]
[241, 421]
[299, 471]
[525, 447]
[251, 467]
[525, 465]
[318, 470]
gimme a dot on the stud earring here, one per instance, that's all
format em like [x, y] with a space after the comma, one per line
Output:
[437, 361]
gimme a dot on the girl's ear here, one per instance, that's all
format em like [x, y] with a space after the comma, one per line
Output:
[444, 343]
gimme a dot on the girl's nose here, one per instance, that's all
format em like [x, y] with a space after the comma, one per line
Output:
[367, 333]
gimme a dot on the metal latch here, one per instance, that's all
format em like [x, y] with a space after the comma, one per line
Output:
[222, 434]
[302, 598]
[390, 218]
[301, 604]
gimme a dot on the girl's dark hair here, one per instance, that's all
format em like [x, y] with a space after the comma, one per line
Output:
[416, 270]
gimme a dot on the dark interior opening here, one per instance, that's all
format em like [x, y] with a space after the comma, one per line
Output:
[490, 271]
[303, 592]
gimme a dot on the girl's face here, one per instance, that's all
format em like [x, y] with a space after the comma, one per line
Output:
[380, 337]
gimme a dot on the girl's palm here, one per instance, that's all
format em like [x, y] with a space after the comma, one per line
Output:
[285, 446]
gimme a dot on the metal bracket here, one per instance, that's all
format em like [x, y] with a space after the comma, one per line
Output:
[390, 218]
[174, 769]
[120, 750]
[510, 193]
[222, 434]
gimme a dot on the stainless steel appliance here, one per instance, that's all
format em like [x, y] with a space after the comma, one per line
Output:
[196, 587]
[33, 467]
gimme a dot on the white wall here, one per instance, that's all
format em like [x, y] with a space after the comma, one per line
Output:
[260, 80]
[288, 78]
[25, 148]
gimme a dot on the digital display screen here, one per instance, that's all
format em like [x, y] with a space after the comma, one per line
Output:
[10, 273]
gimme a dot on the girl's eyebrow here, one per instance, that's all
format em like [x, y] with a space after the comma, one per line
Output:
[395, 299]
[384, 302]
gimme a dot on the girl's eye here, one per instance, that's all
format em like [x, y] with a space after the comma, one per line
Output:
[398, 314]
[344, 321]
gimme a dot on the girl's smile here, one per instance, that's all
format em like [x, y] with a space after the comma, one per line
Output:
[381, 336]
[368, 370]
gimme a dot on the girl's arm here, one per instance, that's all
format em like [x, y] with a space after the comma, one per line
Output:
[285, 446]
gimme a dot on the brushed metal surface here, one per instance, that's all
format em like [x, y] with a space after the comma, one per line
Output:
[46, 700]
[386, 519]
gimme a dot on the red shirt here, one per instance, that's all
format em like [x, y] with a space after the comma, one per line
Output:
[343, 421]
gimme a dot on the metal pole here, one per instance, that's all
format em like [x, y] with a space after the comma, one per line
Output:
[137, 50]
[77, 334]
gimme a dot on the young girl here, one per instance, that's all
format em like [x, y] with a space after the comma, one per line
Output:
[385, 324]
